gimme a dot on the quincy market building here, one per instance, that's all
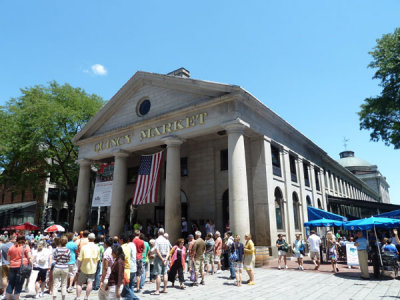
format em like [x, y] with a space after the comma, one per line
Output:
[228, 157]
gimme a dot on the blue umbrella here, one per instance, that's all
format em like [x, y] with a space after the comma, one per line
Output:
[370, 223]
[324, 223]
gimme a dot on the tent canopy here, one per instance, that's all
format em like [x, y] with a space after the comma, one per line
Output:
[370, 223]
[395, 214]
[317, 214]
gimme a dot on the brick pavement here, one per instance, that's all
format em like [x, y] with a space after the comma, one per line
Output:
[272, 283]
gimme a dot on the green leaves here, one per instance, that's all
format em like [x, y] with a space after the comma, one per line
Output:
[381, 114]
[36, 133]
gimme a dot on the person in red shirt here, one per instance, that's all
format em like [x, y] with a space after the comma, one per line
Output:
[14, 255]
[139, 258]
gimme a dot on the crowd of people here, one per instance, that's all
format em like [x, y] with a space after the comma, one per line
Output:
[334, 246]
[118, 266]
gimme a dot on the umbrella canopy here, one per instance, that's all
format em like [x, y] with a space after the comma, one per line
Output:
[27, 226]
[324, 223]
[54, 228]
[369, 223]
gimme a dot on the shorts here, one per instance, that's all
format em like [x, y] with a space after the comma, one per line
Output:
[83, 278]
[299, 255]
[199, 265]
[209, 258]
[72, 269]
[5, 270]
[314, 254]
[159, 267]
[139, 267]
[217, 258]
[15, 282]
[41, 277]
[237, 266]
[281, 253]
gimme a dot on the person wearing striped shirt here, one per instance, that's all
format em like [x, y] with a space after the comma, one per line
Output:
[62, 255]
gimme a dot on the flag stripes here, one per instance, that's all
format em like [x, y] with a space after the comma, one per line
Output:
[147, 182]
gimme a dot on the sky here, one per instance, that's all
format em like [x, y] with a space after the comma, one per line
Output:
[306, 60]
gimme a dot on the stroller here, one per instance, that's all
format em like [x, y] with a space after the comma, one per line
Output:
[390, 263]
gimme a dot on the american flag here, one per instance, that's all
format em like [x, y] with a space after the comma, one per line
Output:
[147, 182]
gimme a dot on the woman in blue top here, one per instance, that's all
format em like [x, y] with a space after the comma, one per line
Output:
[237, 264]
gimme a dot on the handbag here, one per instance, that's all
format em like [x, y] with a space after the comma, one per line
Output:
[234, 256]
[302, 249]
[285, 247]
[193, 276]
[24, 271]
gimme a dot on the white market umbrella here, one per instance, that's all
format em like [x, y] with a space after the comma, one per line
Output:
[54, 228]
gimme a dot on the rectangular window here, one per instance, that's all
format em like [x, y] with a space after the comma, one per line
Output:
[12, 197]
[334, 182]
[132, 174]
[184, 166]
[22, 196]
[306, 176]
[224, 159]
[53, 194]
[3, 197]
[276, 161]
[293, 173]
[317, 185]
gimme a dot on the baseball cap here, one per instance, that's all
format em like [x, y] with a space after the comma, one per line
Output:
[91, 236]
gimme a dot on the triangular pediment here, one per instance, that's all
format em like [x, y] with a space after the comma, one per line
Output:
[165, 93]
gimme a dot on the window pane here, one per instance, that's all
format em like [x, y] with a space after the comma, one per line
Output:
[278, 212]
[224, 159]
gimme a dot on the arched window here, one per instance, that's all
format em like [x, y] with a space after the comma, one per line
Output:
[308, 199]
[319, 203]
[296, 211]
[279, 209]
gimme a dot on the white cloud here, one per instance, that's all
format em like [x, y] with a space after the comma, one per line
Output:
[98, 69]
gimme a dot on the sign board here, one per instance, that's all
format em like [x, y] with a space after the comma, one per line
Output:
[352, 255]
[102, 194]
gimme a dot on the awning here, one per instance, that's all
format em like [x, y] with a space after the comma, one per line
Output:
[316, 214]
[14, 206]
[395, 214]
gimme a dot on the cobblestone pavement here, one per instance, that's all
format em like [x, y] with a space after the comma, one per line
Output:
[272, 283]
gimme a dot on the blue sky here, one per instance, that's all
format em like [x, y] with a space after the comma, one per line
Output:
[306, 60]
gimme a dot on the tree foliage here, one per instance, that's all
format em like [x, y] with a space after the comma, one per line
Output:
[381, 114]
[36, 133]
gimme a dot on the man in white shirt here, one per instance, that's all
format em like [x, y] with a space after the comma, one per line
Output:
[132, 262]
[314, 242]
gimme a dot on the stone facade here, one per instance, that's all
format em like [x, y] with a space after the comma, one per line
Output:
[273, 171]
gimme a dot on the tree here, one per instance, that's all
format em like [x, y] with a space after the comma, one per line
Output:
[382, 113]
[36, 133]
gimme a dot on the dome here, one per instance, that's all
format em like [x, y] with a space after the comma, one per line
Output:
[347, 159]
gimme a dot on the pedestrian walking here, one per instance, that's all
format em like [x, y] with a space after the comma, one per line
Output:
[88, 258]
[315, 243]
[249, 258]
[362, 246]
[331, 250]
[62, 256]
[178, 254]
[108, 261]
[116, 278]
[162, 247]
[237, 256]
[17, 254]
[218, 251]
[199, 248]
[42, 260]
[209, 254]
[282, 250]
[299, 248]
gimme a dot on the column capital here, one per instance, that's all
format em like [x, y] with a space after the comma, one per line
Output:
[237, 125]
[120, 154]
[172, 140]
[83, 162]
